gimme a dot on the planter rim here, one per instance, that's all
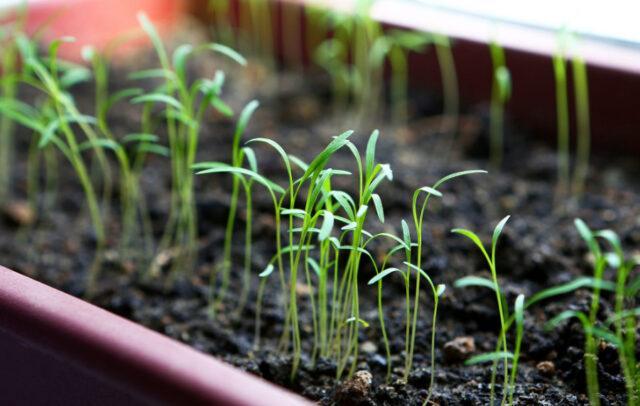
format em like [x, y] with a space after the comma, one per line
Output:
[458, 25]
[142, 362]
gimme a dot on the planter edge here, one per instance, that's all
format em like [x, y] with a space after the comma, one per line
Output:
[117, 353]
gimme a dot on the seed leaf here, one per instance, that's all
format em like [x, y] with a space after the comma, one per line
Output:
[383, 274]
[359, 320]
[519, 310]
[267, 271]
[277, 147]
[158, 98]
[139, 137]
[568, 287]
[251, 158]
[228, 52]
[370, 153]
[474, 281]
[245, 116]
[406, 234]
[430, 191]
[377, 203]
[498, 230]
[327, 225]
[587, 235]
[489, 357]
[243, 172]
[456, 175]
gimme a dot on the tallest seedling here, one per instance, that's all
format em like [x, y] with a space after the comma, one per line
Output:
[184, 104]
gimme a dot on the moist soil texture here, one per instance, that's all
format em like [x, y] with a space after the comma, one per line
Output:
[539, 248]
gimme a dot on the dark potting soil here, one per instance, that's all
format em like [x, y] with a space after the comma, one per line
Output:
[539, 248]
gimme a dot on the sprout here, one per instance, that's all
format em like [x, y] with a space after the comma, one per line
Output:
[500, 95]
[502, 310]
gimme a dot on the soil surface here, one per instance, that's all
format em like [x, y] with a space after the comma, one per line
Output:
[539, 247]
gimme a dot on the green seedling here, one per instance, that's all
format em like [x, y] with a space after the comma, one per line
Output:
[402, 245]
[583, 123]
[623, 322]
[545, 294]
[562, 116]
[130, 152]
[418, 212]
[449, 83]
[588, 321]
[503, 351]
[401, 43]
[331, 55]
[500, 95]
[239, 156]
[184, 105]
[61, 124]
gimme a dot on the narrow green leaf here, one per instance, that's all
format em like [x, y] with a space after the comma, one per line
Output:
[267, 271]
[245, 116]
[158, 98]
[277, 147]
[370, 153]
[406, 234]
[244, 172]
[99, 143]
[345, 201]
[327, 225]
[354, 319]
[221, 107]
[565, 315]
[53, 127]
[519, 310]
[151, 31]
[498, 230]
[314, 265]
[474, 281]
[322, 158]
[350, 226]
[180, 57]
[362, 210]
[430, 191]
[251, 158]
[298, 162]
[582, 282]
[489, 357]
[154, 149]
[228, 52]
[383, 274]
[377, 203]
[457, 175]
[155, 73]
[470, 235]
[299, 213]
[588, 237]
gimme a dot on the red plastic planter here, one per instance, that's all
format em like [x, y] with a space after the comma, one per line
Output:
[56, 349]
[99, 22]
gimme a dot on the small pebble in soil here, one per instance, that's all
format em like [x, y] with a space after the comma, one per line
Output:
[355, 390]
[19, 213]
[368, 347]
[546, 368]
[459, 349]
